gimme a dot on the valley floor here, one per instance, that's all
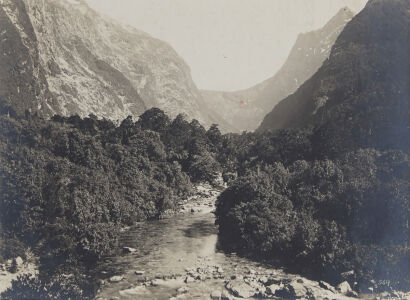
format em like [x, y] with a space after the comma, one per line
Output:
[178, 258]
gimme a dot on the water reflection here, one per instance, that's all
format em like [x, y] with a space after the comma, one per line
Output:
[165, 247]
[200, 229]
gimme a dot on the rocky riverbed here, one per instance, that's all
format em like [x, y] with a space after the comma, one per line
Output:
[238, 281]
[178, 258]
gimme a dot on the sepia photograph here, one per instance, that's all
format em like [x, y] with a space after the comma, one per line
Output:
[204, 149]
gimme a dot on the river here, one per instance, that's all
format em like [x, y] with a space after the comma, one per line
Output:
[171, 248]
[180, 259]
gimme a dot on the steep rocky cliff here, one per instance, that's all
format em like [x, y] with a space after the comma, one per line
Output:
[60, 56]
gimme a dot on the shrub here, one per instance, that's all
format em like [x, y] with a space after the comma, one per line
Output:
[325, 217]
[57, 287]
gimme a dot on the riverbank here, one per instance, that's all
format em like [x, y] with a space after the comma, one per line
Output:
[237, 281]
[13, 268]
[178, 258]
[203, 201]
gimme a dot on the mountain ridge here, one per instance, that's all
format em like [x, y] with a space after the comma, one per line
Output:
[88, 63]
[245, 109]
[359, 94]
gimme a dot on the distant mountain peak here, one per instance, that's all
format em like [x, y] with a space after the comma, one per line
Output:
[360, 96]
[343, 16]
[245, 109]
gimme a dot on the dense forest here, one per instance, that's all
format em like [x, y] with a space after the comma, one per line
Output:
[322, 215]
[70, 184]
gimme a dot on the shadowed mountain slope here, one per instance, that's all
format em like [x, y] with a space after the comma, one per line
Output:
[245, 109]
[360, 96]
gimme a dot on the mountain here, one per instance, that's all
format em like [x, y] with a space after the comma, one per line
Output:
[360, 96]
[61, 57]
[245, 109]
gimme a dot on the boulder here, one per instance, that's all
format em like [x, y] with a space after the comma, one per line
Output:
[117, 278]
[136, 291]
[18, 261]
[263, 279]
[344, 287]
[271, 289]
[139, 272]
[352, 294]
[292, 290]
[297, 289]
[189, 279]
[240, 289]
[225, 295]
[182, 290]
[157, 282]
[327, 286]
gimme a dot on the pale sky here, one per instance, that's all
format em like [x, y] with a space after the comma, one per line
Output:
[228, 44]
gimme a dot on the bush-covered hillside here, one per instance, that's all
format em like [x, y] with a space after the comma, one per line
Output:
[325, 217]
[334, 196]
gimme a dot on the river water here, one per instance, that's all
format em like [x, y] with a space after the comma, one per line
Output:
[171, 247]
[171, 250]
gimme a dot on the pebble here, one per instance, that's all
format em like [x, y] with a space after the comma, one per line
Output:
[129, 250]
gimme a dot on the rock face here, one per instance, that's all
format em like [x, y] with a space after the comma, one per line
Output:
[60, 56]
[244, 110]
[360, 96]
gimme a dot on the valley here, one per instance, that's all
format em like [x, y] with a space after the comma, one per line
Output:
[121, 179]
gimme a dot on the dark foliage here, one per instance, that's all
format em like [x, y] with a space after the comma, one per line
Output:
[341, 145]
[69, 184]
[57, 287]
[324, 217]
